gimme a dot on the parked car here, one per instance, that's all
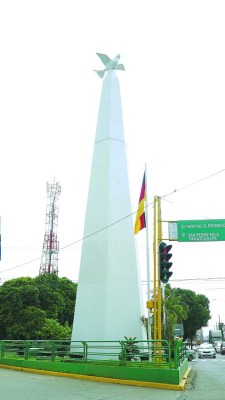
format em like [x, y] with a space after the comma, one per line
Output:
[190, 354]
[206, 350]
[222, 348]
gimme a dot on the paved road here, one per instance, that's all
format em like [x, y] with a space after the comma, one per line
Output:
[209, 383]
[18, 385]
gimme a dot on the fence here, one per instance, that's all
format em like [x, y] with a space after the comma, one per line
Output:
[124, 352]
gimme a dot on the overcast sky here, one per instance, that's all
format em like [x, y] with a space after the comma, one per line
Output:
[173, 101]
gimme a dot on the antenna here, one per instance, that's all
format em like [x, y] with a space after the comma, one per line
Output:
[50, 250]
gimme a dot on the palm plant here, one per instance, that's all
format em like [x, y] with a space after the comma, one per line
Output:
[131, 349]
[175, 311]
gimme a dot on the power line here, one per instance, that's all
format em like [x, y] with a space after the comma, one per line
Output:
[194, 183]
[195, 279]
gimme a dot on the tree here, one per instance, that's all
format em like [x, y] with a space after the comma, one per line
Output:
[15, 296]
[57, 297]
[198, 312]
[54, 331]
[33, 320]
[176, 310]
[187, 307]
[26, 302]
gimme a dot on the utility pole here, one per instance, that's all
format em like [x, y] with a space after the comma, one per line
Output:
[157, 283]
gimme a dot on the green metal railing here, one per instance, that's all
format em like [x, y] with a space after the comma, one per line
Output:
[179, 353]
[123, 353]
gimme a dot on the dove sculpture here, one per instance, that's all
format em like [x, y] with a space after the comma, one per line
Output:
[109, 64]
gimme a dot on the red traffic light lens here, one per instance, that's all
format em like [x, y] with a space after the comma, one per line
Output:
[167, 249]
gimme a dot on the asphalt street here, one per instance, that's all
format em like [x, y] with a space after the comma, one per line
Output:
[205, 382]
[209, 382]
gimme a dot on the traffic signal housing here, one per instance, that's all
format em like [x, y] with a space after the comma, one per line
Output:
[164, 262]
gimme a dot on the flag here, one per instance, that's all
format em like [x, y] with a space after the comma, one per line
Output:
[140, 222]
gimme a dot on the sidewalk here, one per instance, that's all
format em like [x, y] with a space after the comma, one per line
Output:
[19, 385]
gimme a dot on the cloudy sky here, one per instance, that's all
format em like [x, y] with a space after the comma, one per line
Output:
[173, 101]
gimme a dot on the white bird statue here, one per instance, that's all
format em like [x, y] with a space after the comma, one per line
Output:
[109, 64]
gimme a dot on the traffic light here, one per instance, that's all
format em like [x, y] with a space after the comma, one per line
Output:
[164, 262]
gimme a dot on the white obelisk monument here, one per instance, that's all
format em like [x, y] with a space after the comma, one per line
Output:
[109, 300]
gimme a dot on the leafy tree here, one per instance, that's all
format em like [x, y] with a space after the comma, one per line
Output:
[33, 320]
[26, 302]
[198, 312]
[11, 310]
[54, 331]
[57, 297]
[68, 290]
[187, 307]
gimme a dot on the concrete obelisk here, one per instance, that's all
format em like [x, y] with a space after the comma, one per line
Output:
[109, 299]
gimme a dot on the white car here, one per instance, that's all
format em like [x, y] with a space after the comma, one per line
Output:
[206, 350]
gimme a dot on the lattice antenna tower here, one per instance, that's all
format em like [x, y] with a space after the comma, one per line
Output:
[50, 250]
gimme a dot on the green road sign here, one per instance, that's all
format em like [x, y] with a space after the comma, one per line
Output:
[206, 230]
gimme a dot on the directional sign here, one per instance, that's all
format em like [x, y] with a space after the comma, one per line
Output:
[206, 230]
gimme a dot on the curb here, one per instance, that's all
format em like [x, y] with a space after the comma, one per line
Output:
[154, 385]
[190, 379]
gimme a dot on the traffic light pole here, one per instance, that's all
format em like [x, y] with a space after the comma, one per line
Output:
[157, 282]
[163, 310]
[155, 242]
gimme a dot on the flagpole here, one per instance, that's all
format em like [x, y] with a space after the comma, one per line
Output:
[147, 254]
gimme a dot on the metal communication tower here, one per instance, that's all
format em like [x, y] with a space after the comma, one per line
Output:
[50, 250]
